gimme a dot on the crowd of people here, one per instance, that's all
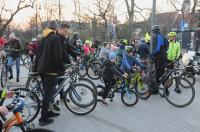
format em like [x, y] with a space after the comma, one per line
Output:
[54, 48]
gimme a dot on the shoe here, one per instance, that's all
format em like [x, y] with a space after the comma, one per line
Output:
[52, 114]
[44, 122]
[17, 80]
[55, 107]
[11, 77]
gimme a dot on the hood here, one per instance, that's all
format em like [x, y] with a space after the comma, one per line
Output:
[46, 32]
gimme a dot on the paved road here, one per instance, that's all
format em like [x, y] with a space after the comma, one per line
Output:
[153, 115]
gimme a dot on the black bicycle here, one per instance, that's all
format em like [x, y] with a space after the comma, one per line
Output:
[171, 87]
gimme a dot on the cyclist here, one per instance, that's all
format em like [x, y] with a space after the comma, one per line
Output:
[160, 46]
[174, 50]
[33, 45]
[73, 40]
[110, 71]
[104, 52]
[14, 54]
[143, 49]
[120, 51]
[129, 60]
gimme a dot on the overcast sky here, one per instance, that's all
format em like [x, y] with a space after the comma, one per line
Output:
[68, 8]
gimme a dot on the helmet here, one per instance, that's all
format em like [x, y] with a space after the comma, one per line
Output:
[88, 42]
[171, 34]
[155, 29]
[124, 42]
[33, 39]
[129, 49]
[142, 40]
[75, 34]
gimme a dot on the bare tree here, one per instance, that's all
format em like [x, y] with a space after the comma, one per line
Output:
[130, 9]
[104, 7]
[10, 13]
[179, 6]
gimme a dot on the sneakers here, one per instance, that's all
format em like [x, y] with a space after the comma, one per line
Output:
[44, 122]
[51, 114]
[11, 77]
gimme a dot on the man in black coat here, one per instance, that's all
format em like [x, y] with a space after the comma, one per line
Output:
[49, 63]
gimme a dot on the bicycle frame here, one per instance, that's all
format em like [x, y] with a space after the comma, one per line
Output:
[15, 120]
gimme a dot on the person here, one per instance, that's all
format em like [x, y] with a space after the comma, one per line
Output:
[73, 40]
[129, 60]
[78, 47]
[2, 42]
[133, 44]
[174, 50]
[88, 51]
[143, 49]
[67, 51]
[120, 51]
[33, 45]
[110, 71]
[49, 64]
[104, 52]
[159, 54]
[4, 109]
[14, 54]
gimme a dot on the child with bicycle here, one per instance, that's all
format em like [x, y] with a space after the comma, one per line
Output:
[110, 71]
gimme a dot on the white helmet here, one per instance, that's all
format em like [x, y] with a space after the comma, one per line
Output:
[33, 39]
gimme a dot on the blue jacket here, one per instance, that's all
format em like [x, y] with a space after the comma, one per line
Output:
[157, 44]
[128, 62]
[143, 50]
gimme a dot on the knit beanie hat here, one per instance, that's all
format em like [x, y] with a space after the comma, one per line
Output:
[112, 55]
[12, 36]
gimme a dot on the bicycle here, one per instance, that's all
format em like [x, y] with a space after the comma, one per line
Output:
[171, 81]
[136, 82]
[125, 91]
[17, 120]
[75, 94]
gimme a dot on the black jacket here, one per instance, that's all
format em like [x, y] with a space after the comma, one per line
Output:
[110, 71]
[49, 58]
[15, 45]
[67, 49]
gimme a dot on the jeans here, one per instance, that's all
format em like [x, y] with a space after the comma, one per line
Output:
[10, 64]
[49, 85]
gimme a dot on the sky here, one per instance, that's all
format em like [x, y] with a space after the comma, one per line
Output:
[68, 7]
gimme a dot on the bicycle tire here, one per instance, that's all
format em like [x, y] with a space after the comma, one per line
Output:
[190, 77]
[4, 74]
[98, 64]
[130, 92]
[38, 91]
[190, 87]
[33, 97]
[67, 101]
[39, 130]
[142, 95]
[82, 80]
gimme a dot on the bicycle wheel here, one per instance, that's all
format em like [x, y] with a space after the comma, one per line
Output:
[94, 70]
[190, 77]
[87, 82]
[32, 103]
[180, 96]
[4, 76]
[80, 99]
[129, 97]
[35, 85]
[27, 62]
[82, 70]
[142, 90]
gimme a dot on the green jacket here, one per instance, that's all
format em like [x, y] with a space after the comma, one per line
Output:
[174, 51]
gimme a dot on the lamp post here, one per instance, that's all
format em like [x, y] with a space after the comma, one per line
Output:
[153, 21]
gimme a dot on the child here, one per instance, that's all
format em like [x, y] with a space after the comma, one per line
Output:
[109, 73]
